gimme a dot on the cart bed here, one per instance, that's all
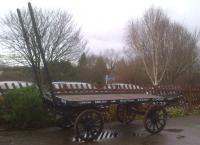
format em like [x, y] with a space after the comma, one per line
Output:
[76, 95]
[94, 97]
[110, 99]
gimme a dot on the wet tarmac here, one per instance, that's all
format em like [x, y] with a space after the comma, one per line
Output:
[178, 131]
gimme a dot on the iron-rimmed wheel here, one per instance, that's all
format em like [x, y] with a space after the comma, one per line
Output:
[89, 125]
[155, 119]
[182, 102]
[65, 123]
[125, 114]
[67, 120]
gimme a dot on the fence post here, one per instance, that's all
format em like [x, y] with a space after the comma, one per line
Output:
[189, 96]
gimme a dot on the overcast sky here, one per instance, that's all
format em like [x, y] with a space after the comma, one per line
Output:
[103, 22]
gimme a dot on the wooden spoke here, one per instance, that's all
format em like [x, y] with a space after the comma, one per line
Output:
[89, 125]
[155, 119]
[66, 121]
[125, 114]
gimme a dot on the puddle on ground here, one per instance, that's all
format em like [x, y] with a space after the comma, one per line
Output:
[198, 126]
[149, 143]
[2, 129]
[180, 136]
[4, 141]
[174, 130]
[139, 134]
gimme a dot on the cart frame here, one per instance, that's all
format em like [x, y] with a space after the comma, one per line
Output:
[83, 107]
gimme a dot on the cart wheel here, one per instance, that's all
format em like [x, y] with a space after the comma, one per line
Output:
[65, 123]
[155, 119]
[124, 114]
[89, 125]
[182, 102]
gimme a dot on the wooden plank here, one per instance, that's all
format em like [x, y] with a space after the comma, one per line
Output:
[13, 85]
[94, 97]
[20, 85]
[6, 85]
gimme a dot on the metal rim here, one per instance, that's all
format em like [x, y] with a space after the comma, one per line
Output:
[89, 125]
[155, 119]
[124, 114]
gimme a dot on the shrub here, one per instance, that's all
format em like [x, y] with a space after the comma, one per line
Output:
[196, 110]
[110, 115]
[22, 108]
[175, 111]
[1, 103]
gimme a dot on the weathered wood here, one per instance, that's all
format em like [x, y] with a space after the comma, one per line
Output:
[38, 40]
[94, 97]
[35, 72]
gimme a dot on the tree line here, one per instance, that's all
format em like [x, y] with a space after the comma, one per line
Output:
[90, 69]
[158, 50]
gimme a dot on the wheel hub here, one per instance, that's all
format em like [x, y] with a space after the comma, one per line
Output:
[89, 124]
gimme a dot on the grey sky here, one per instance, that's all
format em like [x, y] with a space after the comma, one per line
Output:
[104, 21]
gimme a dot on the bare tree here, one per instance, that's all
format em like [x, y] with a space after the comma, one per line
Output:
[1, 60]
[130, 71]
[4, 60]
[149, 37]
[122, 72]
[155, 39]
[61, 39]
[184, 53]
[111, 57]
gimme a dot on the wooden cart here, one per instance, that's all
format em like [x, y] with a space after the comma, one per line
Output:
[83, 107]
